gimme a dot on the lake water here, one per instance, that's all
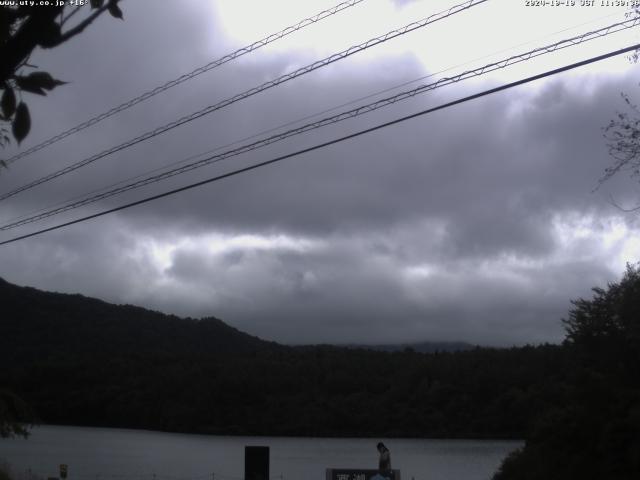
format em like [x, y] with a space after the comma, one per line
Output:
[112, 454]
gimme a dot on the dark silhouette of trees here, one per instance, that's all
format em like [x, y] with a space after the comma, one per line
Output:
[610, 320]
[23, 29]
[596, 433]
[82, 361]
[15, 415]
[85, 362]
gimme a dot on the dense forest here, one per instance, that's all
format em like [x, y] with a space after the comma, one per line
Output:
[595, 434]
[81, 361]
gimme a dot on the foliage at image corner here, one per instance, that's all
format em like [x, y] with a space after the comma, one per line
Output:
[622, 136]
[597, 433]
[23, 29]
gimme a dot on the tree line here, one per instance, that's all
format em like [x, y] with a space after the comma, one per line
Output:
[81, 361]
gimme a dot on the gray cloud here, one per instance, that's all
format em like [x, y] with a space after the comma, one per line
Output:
[476, 223]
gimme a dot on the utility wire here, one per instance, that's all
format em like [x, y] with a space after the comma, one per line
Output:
[332, 142]
[343, 116]
[188, 76]
[332, 119]
[290, 123]
[253, 91]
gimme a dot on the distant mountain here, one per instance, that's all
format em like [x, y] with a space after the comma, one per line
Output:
[34, 318]
[82, 361]
[421, 347]
[38, 323]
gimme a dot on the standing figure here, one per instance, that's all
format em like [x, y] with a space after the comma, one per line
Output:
[384, 464]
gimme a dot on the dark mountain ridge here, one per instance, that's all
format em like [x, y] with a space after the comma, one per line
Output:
[33, 319]
[81, 361]
[71, 320]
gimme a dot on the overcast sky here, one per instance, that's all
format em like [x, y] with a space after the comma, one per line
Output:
[476, 223]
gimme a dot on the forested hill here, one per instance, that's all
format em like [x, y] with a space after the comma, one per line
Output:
[37, 323]
[81, 361]
[37, 319]
[77, 360]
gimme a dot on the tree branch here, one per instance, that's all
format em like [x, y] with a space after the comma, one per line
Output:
[20, 45]
[82, 25]
[73, 12]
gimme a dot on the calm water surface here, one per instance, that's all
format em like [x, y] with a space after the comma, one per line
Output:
[111, 454]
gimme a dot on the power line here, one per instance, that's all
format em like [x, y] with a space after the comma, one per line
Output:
[332, 142]
[289, 123]
[334, 119]
[253, 91]
[188, 76]
[579, 39]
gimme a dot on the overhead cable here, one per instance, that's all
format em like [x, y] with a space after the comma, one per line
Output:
[187, 76]
[253, 91]
[512, 60]
[331, 142]
[289, 123]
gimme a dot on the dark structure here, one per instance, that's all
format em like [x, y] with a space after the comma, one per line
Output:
[256, 463]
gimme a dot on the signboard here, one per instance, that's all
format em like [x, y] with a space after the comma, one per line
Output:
[361, 474]
[63, 470]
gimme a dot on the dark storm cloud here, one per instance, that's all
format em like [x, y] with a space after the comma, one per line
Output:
[496, 177]
[448, 227]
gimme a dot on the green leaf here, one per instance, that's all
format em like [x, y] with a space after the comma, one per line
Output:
[115, 11]
[8, 102]
[37, 82]
[21, 123]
